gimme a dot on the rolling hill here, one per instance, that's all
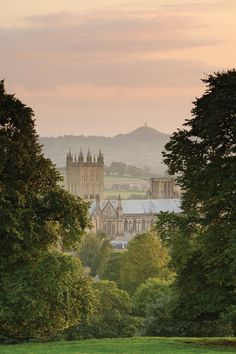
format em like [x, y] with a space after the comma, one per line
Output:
[141, 147]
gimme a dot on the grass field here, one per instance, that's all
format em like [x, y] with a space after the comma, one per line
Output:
[120, 180]
[128, 346]
[123, 194]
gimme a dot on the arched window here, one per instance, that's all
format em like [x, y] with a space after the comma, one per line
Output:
[104, 227]
[113, 229]
[130, 226]
[134, 226]
[109, 228]
[143, 225]
[126, 225]
[75, 189]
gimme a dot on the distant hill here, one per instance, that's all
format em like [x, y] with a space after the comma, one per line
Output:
[143, 133]
[141, 147]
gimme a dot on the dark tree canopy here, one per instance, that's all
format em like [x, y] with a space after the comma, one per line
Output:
[37, 217]
[35, 212]
[203, 154]
[203, 238]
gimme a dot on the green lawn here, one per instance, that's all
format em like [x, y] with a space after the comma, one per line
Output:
[127, 346]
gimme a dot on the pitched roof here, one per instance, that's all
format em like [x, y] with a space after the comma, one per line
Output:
[146, 206]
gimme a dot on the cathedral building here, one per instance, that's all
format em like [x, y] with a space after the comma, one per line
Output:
[119, 219]
[123, 219]
[85, 176]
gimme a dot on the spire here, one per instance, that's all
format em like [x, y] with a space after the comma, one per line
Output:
[100, 157]
[81, 157]
[89, 156]
[69, 157]
[119, 206]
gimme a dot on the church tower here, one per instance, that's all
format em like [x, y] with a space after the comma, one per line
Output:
[85, 176]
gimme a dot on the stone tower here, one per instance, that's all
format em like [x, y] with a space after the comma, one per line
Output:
[164, 188]
[85, 176]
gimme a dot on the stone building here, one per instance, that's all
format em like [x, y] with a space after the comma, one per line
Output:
[164, 188]
[85, 176]
[123, 219]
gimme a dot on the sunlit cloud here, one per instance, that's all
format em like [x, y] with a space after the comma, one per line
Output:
[198, 6]
[111, 62]
[102, 49]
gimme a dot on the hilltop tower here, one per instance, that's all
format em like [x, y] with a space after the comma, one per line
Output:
[85, 176]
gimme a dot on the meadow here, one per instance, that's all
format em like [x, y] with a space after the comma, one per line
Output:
[127, 346]
[128, 187]
[124, 194]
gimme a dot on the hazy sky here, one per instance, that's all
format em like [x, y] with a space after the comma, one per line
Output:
[102, 67]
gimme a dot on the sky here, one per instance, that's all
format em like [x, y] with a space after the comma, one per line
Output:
[103, 67]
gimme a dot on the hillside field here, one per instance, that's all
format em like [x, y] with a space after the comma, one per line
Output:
[128, 346]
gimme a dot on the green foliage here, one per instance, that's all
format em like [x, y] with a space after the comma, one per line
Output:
[95, 249]
[228, 319]
[159, 319]
[145, 258]
[154, 300]
[35, 213]
[202, 240]
[42, 299]
[116, 168]
[111, 268]
[111, 317]
[121, 169]
[37, 217]
[148, 293]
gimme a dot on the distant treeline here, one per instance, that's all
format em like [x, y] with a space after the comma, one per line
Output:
[121, 169]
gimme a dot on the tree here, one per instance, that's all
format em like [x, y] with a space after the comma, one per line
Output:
[112, 315]
[31, 209]
[37, 216]
[116, 168]
[41, 299]
[133, 171]
[148, 293]
[159, 320]
[145, 258]
[111, 268]
[203, 156]
[94, 251]
[154, 301]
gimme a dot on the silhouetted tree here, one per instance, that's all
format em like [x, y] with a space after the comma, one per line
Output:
[40, 286]
[202, 240]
